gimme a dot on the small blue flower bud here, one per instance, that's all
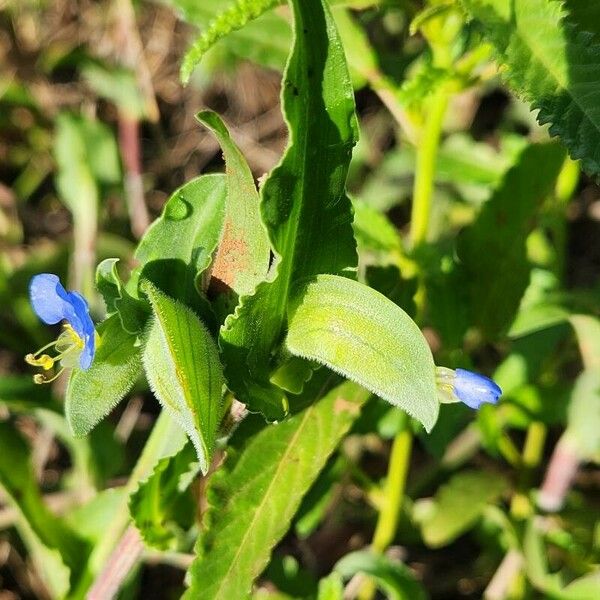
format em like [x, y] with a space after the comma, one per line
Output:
[465, 386]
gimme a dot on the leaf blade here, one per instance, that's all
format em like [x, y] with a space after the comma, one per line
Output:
[260, 487]
[183, 368]
[358, 332]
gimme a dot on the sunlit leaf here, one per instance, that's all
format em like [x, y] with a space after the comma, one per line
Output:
[304, 206]
[92, 394]
[182, 366]
[359, 333]
[255, 494]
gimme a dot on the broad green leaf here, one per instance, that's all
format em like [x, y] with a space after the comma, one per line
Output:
[552, 65]
[497, 271]
[163, 506]
[304, 205]
[182, 365]
[257, 491]
[583, 423]
[537, 318]
[92, 394]
[242, 259]
[458, 505]
[132, 312]
[17, 479]
[179, 245]
[359, 333]
[393, 577]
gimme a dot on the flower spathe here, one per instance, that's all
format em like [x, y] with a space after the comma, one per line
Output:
[53, 304]
[467, 387]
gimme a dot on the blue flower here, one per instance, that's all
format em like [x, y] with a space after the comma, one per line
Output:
[52, 304]
[465, 386]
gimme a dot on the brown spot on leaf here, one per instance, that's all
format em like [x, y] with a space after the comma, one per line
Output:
[230, 260]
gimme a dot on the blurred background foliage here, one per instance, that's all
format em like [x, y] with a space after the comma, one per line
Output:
[96, 131]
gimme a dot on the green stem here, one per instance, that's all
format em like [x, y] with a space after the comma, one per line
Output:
[389, 515]
[425, 168]
[533, 450]
[165, 439]
[394, 490]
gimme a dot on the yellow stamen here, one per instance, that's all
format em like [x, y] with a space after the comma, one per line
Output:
[68, 345]
[41, 379]
[44, 361]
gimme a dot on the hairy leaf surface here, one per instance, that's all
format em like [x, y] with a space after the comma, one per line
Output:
[304, 205]
[182, 366]
[359, 333]
[552, 64]
[92, 394]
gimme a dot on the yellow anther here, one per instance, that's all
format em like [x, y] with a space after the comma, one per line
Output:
[44, 361]
[41, 379]
[68, 345]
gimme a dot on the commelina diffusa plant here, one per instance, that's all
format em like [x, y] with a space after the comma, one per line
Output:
[275, 326]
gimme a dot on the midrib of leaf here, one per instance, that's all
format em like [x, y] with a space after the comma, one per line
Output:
[181, 377]
[267, 495]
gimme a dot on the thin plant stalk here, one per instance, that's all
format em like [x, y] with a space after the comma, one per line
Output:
[427, 151]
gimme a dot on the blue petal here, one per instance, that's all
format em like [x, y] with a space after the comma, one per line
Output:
[49, 299]
[52, 304]
[474, 389]
[84, 327]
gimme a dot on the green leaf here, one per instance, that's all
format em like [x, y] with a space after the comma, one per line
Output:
[132, 312]
[585, 15]
[18, 481]
[232, 18]
[552, 65]
[242, 259]
[498, 276]
[304, 205]
[458, 505]
[182, 365]
[93, 519]
[265, 41]
[393, 577]
[179, 245]
[163, 506]
[584, 588]
[118, 85]
[92, 394]
[254, 496]
[359, 333]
